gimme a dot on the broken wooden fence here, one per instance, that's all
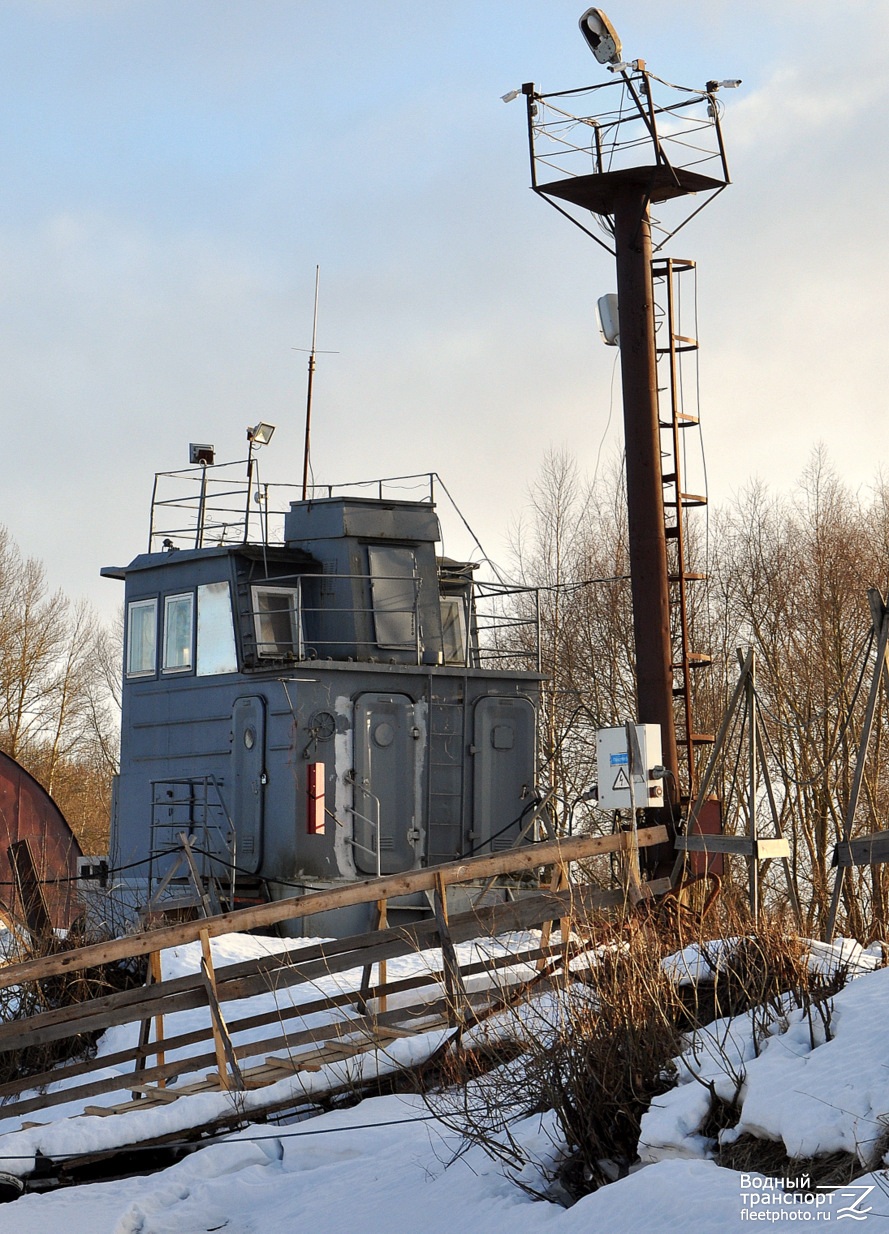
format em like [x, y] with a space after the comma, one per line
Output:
[280, 1038]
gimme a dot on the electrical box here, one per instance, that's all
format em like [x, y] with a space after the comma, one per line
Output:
[614, 758]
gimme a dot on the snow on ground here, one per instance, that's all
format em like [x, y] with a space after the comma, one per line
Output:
[817, 1095]
[66, 1130]
[371, 1170]
[387, 1164]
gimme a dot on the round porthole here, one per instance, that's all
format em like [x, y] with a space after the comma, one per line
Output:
[384, 734]
[250, 738]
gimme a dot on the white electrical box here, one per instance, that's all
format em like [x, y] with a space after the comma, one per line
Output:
[614, 758]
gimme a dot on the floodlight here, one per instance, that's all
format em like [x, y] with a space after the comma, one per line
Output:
[609, 319]
[601, 36]
[201, 454]
[261, 434]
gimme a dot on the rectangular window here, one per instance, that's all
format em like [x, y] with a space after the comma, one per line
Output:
[276, 622]
[178, 632]
[141, 638]
[216, 631]
[453, 631]
[393, 583]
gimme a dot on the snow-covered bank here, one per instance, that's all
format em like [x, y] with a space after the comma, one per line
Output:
[387, 1164]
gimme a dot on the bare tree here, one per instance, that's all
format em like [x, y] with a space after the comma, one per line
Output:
[56, 709]
[787, 575]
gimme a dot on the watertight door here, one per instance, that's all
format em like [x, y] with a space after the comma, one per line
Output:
[502, 771]
[248, 780]
[387, 750]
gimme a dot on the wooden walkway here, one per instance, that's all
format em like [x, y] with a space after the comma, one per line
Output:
[245, 1050]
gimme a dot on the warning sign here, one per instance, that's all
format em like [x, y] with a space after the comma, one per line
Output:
[621, 780]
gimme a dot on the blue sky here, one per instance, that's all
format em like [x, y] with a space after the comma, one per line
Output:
[173, 172]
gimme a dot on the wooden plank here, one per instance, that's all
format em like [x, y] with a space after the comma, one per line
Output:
[225, 1055]
[513, 861]
[277, 971]
[153, 977]
[161, 1096]
[196, 876]
[471, 925]
[766, 850]
[195, 1062]
[438, 1017]
[864, 850]
[277, 1015]
[271, 972]
[454, 987]
[741, 845]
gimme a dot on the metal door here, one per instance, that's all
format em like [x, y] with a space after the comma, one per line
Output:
[503, 771]
[387, 773]
[248, 780]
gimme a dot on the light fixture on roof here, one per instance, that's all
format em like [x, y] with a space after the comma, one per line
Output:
[601, 37]
[201, 454]
[260, 434]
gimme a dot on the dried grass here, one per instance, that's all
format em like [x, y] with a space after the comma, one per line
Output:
[20, 1002]
[601, 1047]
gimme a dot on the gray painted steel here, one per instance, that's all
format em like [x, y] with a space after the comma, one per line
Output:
[315, 653]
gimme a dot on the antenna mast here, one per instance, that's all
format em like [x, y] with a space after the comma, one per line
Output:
[309, 388]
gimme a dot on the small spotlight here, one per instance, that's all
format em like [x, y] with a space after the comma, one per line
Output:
[731, 83]
[201, 454]
[609, 319]
[601, 37]
[510, 95]
[260, 434]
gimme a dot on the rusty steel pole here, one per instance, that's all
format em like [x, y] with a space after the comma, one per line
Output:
[645, 494]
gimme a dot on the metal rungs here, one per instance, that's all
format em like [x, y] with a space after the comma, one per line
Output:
[680, 342]
[695, 659]
[683, 420]
[687, 500]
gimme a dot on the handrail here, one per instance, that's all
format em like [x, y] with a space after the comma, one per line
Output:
[511, 861]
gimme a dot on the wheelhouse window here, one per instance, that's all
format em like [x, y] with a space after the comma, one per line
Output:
[141, 638]
[216, 632]
[393, 581]
[178, 632]
[453, 631]
[276, 622]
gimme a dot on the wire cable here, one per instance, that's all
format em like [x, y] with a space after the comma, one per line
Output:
[225, 1137]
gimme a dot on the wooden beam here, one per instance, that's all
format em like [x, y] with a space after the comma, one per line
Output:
[744, 846]
[863, 850]
[277, 1015]
[514, 861]
[251, 977]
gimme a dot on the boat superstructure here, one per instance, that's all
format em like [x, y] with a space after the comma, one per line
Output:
[328, 700]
